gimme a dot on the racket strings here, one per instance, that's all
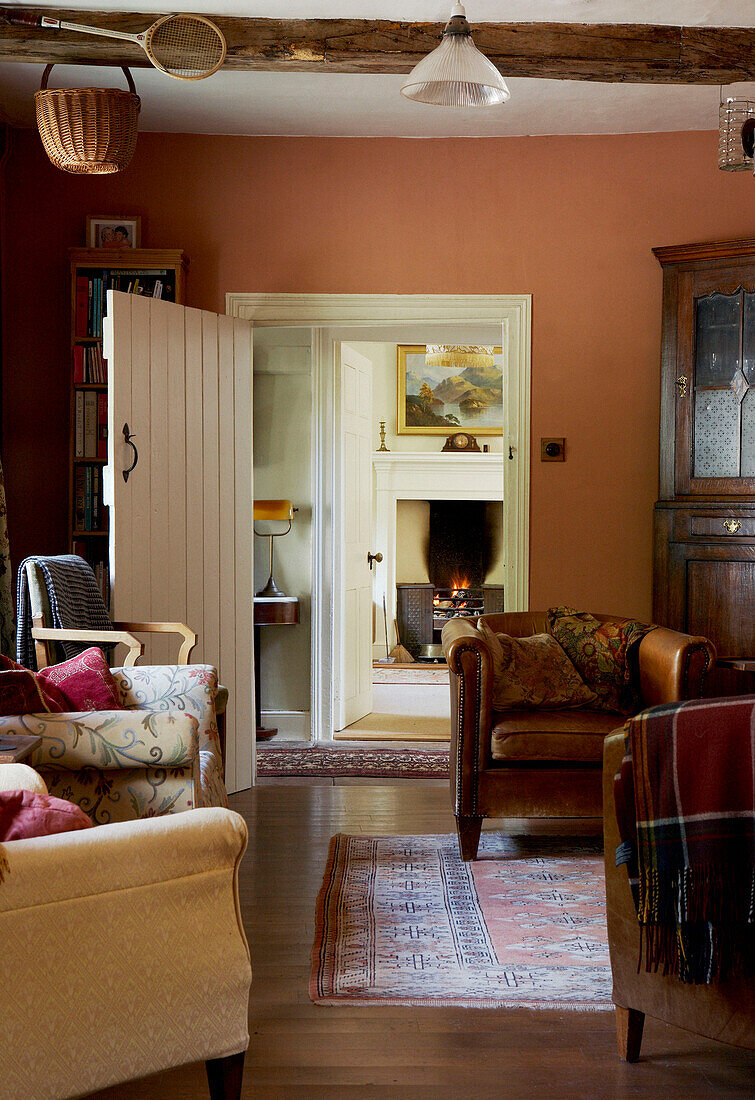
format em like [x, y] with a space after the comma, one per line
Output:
[186, 47]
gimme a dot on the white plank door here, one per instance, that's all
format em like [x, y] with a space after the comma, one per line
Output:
[353, 582]
[181, 526]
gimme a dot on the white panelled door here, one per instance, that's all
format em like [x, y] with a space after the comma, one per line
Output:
[353, 687]
[181, 525]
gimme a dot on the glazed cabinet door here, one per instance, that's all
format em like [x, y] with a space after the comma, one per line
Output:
[715, 383]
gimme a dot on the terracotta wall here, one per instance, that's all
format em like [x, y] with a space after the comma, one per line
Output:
[570, 220]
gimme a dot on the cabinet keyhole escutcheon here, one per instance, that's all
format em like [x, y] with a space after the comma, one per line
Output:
[681, 384]
[732, 525]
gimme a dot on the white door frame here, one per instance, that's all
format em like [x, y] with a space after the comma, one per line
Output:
[513, 312]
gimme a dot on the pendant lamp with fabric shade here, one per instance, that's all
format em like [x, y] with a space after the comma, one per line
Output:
[456, 74]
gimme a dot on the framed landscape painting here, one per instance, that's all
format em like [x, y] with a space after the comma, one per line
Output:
[437, 401]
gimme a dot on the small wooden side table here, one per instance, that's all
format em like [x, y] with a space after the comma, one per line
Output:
[17, 746]
[745, 665]
[269, 611]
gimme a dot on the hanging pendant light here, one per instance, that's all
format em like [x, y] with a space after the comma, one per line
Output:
[456, 74]
[459, 356]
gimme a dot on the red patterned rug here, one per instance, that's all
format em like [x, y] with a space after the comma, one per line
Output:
[367, 763]
[403, 920]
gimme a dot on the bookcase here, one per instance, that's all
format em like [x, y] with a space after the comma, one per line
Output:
[152, 272]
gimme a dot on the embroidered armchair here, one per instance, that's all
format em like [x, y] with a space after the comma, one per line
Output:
[159, 756]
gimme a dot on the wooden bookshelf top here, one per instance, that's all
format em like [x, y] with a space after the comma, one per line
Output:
[113, 258]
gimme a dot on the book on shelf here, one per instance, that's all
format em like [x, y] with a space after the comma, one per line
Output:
[88, 508]
[102, 425]
[90, 424]
[78, 447]
[92, 288]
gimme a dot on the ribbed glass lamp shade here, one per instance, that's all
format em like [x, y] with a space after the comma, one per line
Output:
[456, 74]
[732, 114]
[459, 356]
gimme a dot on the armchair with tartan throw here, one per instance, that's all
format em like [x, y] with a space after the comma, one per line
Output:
[679, 827]
[160, 755]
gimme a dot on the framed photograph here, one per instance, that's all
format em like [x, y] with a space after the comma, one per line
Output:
[113, 231]
[437, 401]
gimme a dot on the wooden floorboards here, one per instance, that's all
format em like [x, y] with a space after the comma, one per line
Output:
[301, 1050]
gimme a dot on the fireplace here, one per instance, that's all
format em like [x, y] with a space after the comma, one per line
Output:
[423, 610]
[461, 545]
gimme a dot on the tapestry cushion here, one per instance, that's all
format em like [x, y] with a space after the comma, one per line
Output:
[567, 736]
[22, 693]
[85, 682]
[533, 672]
[24, 814]
[604, 654]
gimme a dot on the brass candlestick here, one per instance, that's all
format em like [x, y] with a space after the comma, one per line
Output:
[382, 446]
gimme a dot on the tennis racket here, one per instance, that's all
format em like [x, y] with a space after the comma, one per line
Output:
[188, 47]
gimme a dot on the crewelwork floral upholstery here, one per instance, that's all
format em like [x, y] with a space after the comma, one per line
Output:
[159, 756]
[124, 953]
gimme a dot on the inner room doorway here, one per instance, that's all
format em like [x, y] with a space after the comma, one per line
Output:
[432, 523]
[357, 319]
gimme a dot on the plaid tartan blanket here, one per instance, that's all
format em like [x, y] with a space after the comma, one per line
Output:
[685, 806]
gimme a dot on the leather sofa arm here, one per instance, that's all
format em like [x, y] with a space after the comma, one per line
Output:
[471, 675]
[673, 666]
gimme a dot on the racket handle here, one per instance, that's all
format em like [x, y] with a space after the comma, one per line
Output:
[24, 19]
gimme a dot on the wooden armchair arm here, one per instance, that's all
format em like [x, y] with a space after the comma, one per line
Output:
[189, 636]
[97, 637]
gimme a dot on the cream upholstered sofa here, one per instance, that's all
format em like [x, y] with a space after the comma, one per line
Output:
[123, 953]
[161, 755]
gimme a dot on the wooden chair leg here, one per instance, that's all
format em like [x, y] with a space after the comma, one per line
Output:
[629, 1024]
[224, 1076]
[468, 829]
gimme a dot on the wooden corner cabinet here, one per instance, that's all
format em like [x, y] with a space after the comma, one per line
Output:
[152, 272]
[704, 567]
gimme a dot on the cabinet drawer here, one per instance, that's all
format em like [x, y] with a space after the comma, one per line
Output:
[714, 525]
[723, 526]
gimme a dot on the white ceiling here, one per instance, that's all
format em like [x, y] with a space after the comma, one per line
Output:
[369, 105]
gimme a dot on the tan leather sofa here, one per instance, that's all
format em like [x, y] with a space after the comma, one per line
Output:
[725, 1012]
[542, 763]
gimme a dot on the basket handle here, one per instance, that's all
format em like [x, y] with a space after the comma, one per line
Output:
[126, 73]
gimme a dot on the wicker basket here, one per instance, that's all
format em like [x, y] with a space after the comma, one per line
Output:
[90, 131]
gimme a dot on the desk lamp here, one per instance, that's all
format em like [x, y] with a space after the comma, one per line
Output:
[274, 511]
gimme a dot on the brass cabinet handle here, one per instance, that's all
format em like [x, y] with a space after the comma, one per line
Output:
[732, 525]
[681, 384]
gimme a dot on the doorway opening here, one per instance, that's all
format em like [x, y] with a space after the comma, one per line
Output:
[335, 321]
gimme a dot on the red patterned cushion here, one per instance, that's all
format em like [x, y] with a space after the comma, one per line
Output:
[22, 693]
[24, 814]
[85, 682]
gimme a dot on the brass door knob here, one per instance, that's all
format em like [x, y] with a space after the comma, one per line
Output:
[373, 557]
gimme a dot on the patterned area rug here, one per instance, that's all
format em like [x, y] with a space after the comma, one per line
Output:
[403, 920]
[368, 763]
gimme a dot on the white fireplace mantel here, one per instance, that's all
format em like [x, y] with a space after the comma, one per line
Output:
[420, 475]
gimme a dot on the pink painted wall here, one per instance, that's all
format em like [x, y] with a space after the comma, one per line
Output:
[570, 220]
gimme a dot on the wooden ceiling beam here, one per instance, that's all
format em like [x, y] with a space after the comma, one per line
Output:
[635, 53]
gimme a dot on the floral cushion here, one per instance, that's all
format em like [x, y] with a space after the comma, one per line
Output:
[603, 653]
[533, 672]
[127, 794]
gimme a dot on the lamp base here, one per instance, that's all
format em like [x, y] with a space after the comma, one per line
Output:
[271, 590]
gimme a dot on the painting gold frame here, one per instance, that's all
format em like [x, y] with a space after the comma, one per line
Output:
[402, 428]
